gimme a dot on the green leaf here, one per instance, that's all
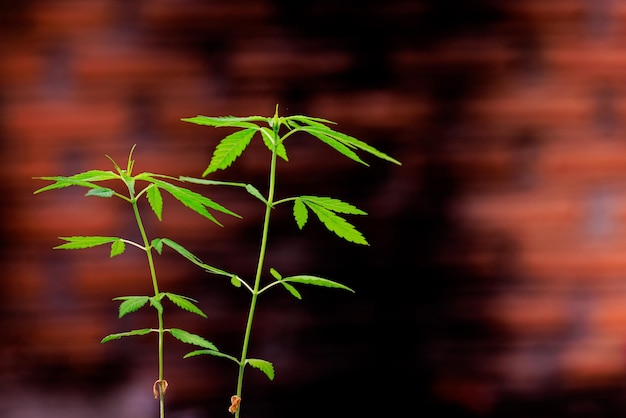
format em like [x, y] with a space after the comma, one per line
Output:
[80, 242]
[156, 200]
[126, 334]
[84, 179]
[191, 257]
[194, 201]
[156, 303]
[275, 273]
[189, 338]
[300, 213]
[309, 120]
[225, 121]
[337, 224]
[100, 192]
[185, 303]
[229, 149]
[351, 141]
[263, 365]
[249, 188]
[287, 286]
[211, 353]
[322, 135]
[131, 304]
[235, 281]
[334, 205]
[157, 244]
[291, 289]
[317, 281]
[255, 192]
[268, 140]
[117, 248]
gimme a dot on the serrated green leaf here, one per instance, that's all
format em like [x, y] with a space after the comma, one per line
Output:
[211, 353]
[131, 304]
[229, 149]
[337, 224]
[189, 338]
[268, 140]
[316, 281]
[225, 121]
[100, 192]
[80, 242]
[357, 143]
[126, 334]
[263, 365]
[157, 244]
[300, 213]
[156, 200]
[84, 179]
[322, 135]
[117, 248]
[194, 201]
[185, 303]
[334, 205]
[156, 304]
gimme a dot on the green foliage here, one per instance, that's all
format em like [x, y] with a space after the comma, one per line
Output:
[263, 365]
[275, 132]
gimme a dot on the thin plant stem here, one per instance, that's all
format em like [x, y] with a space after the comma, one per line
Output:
[155, 285]
[259, 270]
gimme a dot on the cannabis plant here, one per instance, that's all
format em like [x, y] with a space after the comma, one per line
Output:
[274, 132]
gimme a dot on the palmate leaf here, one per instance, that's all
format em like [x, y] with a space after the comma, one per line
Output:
[263, 365]
[189, 338]
[126, 334]
[334, 205]
[185, 303]
[131, 304]
[325, 208]
[325, 133]
[194, 201]
[229, 149]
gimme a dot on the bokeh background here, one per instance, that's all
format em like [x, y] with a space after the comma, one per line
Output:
[495, 282]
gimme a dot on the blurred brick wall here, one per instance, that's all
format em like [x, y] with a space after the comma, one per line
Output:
[495, 284]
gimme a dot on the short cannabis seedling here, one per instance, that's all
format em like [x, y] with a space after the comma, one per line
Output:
[153, 185]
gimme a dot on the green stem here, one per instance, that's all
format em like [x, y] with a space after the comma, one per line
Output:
[257, 279]
[157, 293]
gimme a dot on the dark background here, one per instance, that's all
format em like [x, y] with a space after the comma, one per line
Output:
[494, 282]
